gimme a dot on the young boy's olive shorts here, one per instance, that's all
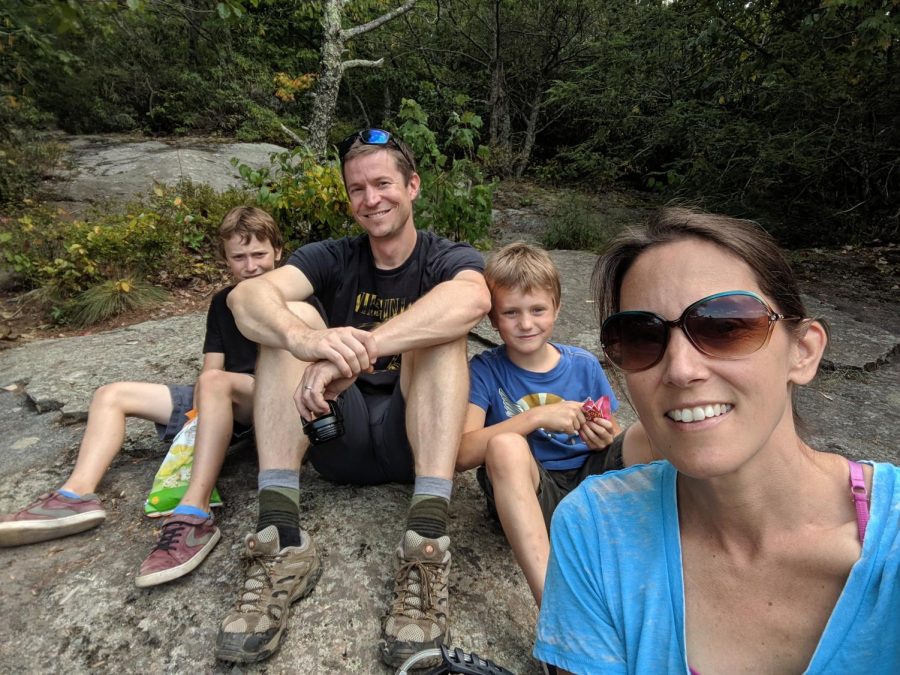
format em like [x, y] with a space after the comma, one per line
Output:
[554, 485]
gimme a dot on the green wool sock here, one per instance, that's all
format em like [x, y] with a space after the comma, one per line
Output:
[280, 506]
[428, 515]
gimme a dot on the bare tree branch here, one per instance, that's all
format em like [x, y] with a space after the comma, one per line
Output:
[349, 33]
[294, 137]
[361, 63]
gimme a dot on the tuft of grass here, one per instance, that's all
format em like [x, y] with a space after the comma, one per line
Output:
[113, 297]
[576, 226]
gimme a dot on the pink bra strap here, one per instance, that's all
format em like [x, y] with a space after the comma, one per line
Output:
[860, 498]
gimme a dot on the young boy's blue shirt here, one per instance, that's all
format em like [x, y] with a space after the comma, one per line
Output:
[503, 389]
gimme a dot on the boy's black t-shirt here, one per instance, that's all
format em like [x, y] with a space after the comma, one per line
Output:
[355, 293]
[223, 336]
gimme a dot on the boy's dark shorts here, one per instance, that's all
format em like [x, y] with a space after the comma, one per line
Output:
[374, 448]
[182, 402]
[554, 485]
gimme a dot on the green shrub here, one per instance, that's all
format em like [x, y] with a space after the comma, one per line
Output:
[578, 225]
[259, 124]
[168, 238]
[307, 197]
[112, 297]
[24, 156]
[455, 199]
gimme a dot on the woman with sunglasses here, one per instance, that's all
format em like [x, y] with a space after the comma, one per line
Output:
[744, 549]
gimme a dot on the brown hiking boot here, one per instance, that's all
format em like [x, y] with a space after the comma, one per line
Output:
[274, 578]
[418, 617]
[50, 516]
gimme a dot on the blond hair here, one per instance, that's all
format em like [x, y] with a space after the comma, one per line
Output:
[523, 267]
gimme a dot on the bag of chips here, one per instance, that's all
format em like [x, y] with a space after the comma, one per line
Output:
[171, 481]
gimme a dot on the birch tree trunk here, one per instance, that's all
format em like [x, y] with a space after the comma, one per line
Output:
[331, 68]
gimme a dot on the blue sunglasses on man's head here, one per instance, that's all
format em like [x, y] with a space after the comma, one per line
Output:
[372, 137]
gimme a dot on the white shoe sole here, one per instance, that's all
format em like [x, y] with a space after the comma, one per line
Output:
[21, 532]
[188, 566]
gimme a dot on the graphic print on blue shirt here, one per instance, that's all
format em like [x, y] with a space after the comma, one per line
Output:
[530, 401]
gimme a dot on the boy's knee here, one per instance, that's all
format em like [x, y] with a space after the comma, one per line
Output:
[108, 395]
[506, 454]
[213, 381]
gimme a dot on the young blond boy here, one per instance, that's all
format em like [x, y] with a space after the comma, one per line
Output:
[525, 422]
[251, 244]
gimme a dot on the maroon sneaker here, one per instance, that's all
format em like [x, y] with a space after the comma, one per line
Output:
[184, 542]
[50, 516]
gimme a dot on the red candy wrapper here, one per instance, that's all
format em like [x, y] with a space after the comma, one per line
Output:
[593, 409]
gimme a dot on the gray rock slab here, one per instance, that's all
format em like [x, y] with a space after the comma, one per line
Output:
[62, 374]
[853, 413]
[80, 590]
[853, 343]
[111, 168]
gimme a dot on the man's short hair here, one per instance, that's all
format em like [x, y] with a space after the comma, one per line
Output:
[523, 267]
[247, 222]
[399, 150]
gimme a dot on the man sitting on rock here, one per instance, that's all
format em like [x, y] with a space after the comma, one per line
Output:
[251, 244]
[376, 323]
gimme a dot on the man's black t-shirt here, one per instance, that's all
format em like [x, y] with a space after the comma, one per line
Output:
[223, 336]
[355, 293]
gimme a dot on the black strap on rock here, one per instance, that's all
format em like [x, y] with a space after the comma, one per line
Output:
[458, 661]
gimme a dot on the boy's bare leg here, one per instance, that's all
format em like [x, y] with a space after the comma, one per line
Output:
[220, 398]
[188, 536]
[435, 386]
[514, 475]
[105, 432]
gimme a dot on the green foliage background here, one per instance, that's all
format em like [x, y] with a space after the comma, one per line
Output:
[166, 239]
[787, 111]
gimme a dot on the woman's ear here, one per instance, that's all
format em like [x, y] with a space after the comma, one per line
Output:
[807, 352]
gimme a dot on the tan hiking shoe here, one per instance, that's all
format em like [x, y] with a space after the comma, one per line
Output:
[418, 617]
[274, 578]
